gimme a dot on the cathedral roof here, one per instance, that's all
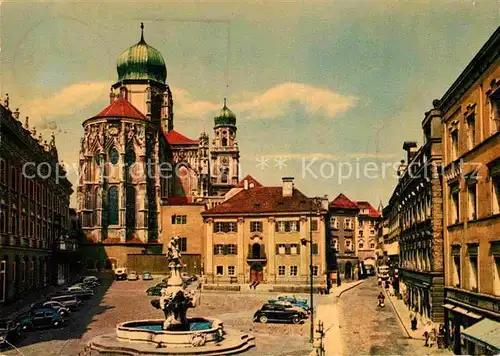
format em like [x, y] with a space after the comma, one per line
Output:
[343, 202]
[121, 108]
[141, 61]
[226, 117]
[175, 138]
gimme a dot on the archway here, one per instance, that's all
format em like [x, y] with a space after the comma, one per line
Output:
[256, 273]
[348, 271]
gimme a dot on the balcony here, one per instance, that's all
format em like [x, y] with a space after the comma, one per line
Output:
[256, 257]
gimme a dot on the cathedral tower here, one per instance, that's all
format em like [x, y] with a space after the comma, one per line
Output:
[225, 153]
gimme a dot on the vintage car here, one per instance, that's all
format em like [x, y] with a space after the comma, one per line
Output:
[147, 276]
[278, 312]
[57, 306]
[121, 274]
[41, 318]
[70, 301]
[302, 303]
[132, 276]
[156, 290]
[10, 331]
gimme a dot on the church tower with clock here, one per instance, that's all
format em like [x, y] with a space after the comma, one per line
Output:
[225, 153]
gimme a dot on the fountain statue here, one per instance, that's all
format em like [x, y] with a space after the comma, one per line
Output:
[175, 300]
[176, 334]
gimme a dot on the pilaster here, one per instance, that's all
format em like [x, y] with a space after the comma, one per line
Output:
[322, 245]
[271, 249]
[304, 252]
[241, 250]
[209, 248]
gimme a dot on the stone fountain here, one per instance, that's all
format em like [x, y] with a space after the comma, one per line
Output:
[176, 334]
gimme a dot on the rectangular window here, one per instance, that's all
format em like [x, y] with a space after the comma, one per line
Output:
[471, 131]
[231, 270]
[287, 226]
[281, 270]
[495, 111]
[179, 219]
[314, 225]
[372, 245]
[360, 233]
[315, 250]
[348, 245]
[472, 199]
[218, 249]
[225, 227]
[454, 144]
[495, 181]
[231, 249]
[455, 204]
[255, 226]
[496, 271]
[348, 224]
[335, 243]
[334, 223]
[219, 270]
[183, 244]
[315, 270]
[473, 276]
[294, 249]
[293, 270]
[281, 249]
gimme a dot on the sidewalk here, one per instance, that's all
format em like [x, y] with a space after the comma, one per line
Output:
[328, 314]
[404, 317]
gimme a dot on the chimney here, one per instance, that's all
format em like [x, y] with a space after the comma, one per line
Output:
[411, 148]
[245, 184]
[287, 186]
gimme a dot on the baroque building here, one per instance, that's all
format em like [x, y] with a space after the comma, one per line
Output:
[470, 109]
[368, 219]
[262, 235]
[35, 250]
[138, 175]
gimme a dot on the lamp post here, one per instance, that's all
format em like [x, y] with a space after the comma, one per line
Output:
[304, 242]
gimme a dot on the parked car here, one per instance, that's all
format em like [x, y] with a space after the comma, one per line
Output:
[10, 331]
[147, 276]
[187, 279]
[78, 288]
[52, 304]
[277, 312]
[156, 290]
[82, 294]
[121, 274]
[132, 276]
[291, 306]
[70, 301]
[40, 318]
[302, 303]
[93, 279]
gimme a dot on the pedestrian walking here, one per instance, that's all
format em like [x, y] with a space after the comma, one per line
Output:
[432, 337]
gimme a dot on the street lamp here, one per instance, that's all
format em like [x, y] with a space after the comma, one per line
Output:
[304, 242]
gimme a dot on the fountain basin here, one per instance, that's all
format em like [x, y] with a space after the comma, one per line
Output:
[150, 331]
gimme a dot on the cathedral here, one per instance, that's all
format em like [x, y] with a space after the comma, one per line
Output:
[141, 181]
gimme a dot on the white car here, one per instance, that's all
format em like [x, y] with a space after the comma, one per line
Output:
[132, 276]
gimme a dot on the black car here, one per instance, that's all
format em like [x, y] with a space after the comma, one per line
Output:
[156, 290]
[277, 312]
[10, 332]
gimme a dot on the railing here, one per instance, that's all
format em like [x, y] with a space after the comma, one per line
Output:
[256, 257]
[65, 246]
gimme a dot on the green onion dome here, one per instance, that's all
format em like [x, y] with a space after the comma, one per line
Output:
[226, 117]
[141, 61]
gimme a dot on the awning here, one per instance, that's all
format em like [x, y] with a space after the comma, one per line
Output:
[485, 333]
[462, 311]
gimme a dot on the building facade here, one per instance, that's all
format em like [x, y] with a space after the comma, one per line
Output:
[141, 181]
[34, 209]
[368, 219]
[415, 221]
[261, 235]
[342, 226]
[471, 123]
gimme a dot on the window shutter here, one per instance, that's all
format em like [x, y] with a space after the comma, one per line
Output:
[224, 249]
[235, 249]
[276, 226]
[315, 249]
[297, 224]
[216, 249]
[277, 249]
[287, 249]
[298, 249]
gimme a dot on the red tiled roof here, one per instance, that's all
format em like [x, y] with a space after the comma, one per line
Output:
[343, 202]
[263, 200]
[121, 108]
[175, 138]
[372, 212]
[250, 179]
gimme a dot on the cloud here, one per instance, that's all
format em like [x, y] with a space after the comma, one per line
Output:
[273, 103]
[65, 102]
[47, 125]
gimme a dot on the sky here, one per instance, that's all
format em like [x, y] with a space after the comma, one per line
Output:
[325, 92]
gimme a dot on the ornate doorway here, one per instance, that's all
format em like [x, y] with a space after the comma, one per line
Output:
[256, 273]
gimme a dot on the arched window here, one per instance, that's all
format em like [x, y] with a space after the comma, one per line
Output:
[224, 174]
[88, 199]
[130, 156]
[224, 141]
[131, 207]
[361, 244]
[113, 155]
[113, 206]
